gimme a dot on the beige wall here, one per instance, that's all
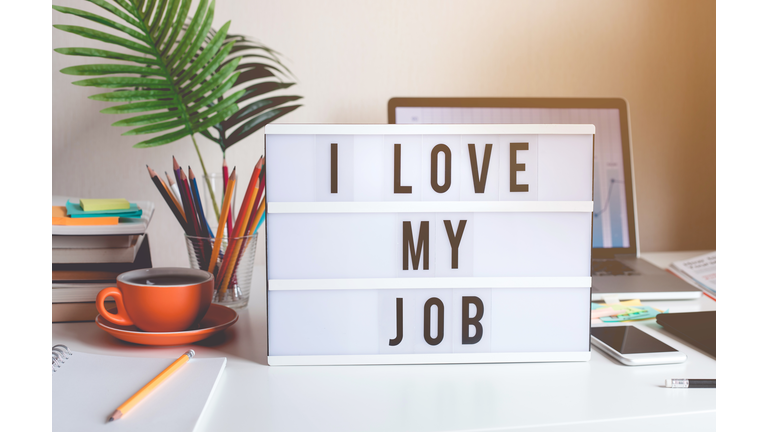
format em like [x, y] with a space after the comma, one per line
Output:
[352, 56]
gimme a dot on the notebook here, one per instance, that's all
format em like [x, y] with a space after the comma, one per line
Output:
[87, 388]
[618, 273]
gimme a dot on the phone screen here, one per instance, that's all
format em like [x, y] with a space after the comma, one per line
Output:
[629, 340]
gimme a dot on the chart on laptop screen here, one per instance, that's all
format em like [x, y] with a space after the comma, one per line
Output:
[611, 228]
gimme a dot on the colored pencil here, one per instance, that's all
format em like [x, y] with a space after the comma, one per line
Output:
[182, 197]
[225, 272]
[260, 216]
[147, 389]
[168, 200]
[224, 214]
[204, 228]
[225, 172]
[189, 209]
[257, 214]
[177, 174]
[240, 222]
[171, 194]
[261, 220]
[238, 244]
[173, 187]
[253, 219]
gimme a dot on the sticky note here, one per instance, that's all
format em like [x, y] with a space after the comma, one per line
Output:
[633, 314]
[90, 205]
[59, 217]
[603, 312]
[76, 211]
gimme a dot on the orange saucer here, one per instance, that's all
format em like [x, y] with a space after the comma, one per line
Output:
[215, 320]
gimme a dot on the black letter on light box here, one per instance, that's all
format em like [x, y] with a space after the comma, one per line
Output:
[466, 321]
[454, 239]
[399, 336]
[479, 180]
[408, 245]
[398, 188]
[447, 183]
[428, 320]
[515, 167]
[334, 168]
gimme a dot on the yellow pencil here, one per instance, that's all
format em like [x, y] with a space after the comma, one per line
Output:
[136, 398]
[222, 221]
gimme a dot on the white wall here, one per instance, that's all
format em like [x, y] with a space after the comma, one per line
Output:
[352, 56]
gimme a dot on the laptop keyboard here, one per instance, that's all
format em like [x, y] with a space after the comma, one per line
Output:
[611, 267]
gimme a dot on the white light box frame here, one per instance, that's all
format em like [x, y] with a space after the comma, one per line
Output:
[411, 244]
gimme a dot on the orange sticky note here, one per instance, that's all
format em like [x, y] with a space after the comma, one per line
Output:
[60, 218]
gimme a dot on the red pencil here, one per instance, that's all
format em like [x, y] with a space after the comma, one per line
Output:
[225, 171]
[189, 205]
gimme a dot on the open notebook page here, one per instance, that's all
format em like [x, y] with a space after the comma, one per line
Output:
[89, 387]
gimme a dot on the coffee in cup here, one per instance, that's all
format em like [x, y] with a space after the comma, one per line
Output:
[163, 299]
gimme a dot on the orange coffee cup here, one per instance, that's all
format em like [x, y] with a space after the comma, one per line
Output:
[159, 299]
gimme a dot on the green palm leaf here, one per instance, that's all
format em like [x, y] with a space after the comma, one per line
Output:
[175, 72]
[261, 73]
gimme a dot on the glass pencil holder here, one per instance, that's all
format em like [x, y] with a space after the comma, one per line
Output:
[233, 271]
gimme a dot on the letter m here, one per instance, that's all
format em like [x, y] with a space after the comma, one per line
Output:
[415, 252]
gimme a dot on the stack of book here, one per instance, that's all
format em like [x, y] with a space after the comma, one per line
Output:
[88, 258]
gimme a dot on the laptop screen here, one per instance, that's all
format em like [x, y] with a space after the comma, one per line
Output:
[611, 228]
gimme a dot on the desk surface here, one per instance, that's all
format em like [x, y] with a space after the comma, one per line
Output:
[489, 397]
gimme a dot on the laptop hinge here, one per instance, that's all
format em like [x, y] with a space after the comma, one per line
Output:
[619, 256]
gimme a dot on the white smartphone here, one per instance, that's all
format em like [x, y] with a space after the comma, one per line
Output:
[634, 347]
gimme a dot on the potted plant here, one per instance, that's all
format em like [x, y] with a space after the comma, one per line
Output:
[178, 75]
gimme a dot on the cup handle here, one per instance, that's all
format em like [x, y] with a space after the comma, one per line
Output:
[121, 317]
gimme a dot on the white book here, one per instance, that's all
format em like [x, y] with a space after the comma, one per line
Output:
[87, 388]
[97, 255]
[75, 292]
[92, 241]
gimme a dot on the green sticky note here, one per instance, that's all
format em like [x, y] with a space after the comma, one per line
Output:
[90, 205]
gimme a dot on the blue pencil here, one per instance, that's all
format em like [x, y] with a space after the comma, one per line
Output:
[198, 203]
[258, 225]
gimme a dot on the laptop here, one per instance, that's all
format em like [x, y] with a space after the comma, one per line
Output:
[617, 271]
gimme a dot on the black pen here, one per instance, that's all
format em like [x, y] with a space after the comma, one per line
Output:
[690, 383]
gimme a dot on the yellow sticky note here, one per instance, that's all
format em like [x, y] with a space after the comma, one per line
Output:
[625, 304]
[104, 204]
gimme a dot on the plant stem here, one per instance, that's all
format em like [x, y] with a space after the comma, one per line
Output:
[207, 179]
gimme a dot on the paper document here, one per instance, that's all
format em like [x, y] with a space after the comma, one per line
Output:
[698, 271]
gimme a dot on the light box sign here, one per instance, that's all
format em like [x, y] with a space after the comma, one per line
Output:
[428, 243]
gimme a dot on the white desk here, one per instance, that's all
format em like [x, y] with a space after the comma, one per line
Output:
[579, 396]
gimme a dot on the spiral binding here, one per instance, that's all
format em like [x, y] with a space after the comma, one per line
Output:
[60, 353]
